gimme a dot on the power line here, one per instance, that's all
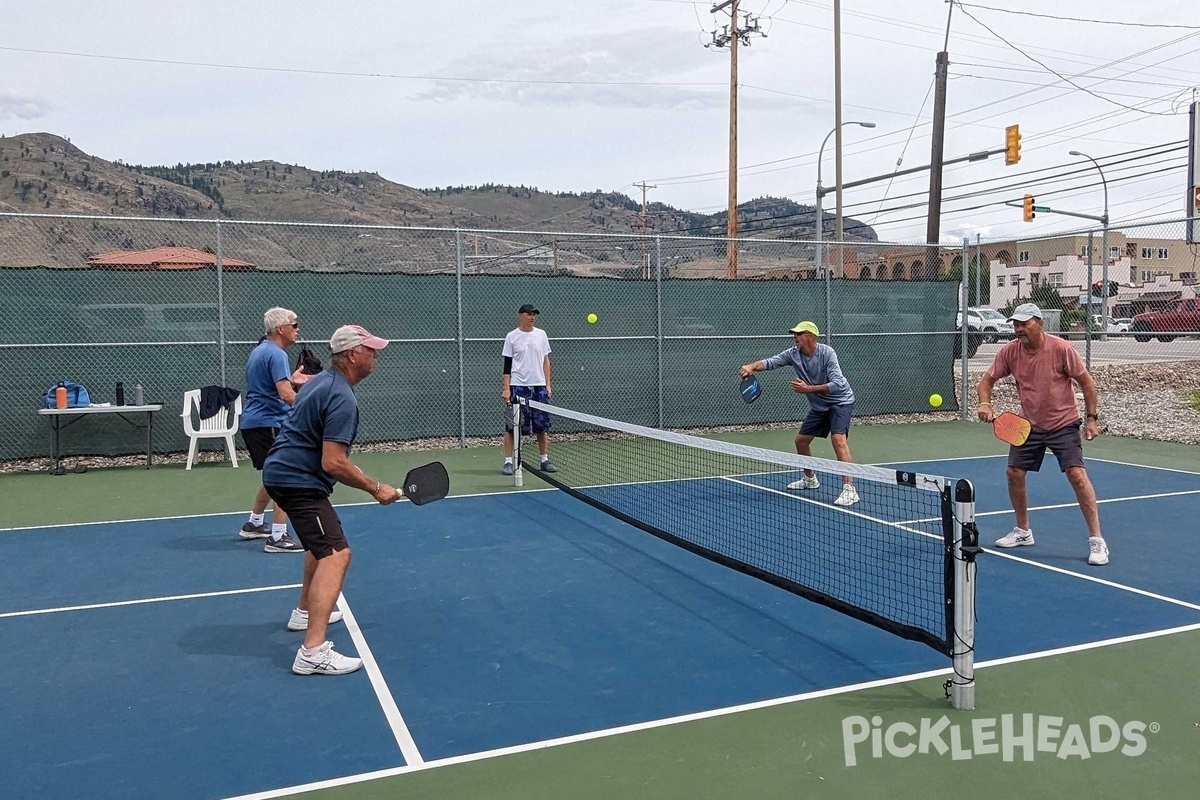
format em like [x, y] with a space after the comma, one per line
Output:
[1006, 68]
[1073, 126]
[1062, 77]
[345, 74]
[1081, 19]
[1151, 152]
[1027, 178]
[1034, 83]
[893, 22]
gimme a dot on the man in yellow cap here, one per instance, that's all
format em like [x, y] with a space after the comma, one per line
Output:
[830, 401]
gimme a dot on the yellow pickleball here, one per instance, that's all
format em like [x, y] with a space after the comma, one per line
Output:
[935, 400]
[592, 319]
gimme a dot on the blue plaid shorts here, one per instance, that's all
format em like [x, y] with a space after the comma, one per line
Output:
[532, 420]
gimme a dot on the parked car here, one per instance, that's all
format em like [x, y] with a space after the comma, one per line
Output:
[990, 322]
[1115, 325]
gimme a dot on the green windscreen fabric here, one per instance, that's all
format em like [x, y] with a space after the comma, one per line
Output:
[661, 353]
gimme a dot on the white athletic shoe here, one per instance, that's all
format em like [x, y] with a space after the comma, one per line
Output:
[805, 483]
[848, 497]
[1098, 556]
[1017, 537]
[299, 619]
[327, 661]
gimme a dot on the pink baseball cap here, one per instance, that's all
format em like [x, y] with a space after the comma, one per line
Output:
[349, 337]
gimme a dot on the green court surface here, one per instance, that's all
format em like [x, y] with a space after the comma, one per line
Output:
[792, 747]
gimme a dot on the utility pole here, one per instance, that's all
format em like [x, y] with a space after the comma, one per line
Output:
[644, 187]
[645, 225]
[838, 235]
[933, 225]
[730, 35]
[933, 228]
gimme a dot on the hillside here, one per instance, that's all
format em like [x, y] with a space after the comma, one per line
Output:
[45, 174]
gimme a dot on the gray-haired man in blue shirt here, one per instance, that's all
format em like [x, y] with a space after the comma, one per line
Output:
[830, 401]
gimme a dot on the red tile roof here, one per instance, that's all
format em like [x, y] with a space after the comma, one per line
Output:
[165, 258]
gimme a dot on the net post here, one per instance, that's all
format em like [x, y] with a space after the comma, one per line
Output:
[966, 548]
[514, 411]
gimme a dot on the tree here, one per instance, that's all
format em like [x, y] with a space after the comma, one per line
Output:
[954, 274]
[1046, 296]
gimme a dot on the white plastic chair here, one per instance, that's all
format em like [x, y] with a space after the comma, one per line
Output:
[222, 425]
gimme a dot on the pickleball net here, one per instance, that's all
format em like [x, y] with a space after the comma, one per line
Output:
[901, 558]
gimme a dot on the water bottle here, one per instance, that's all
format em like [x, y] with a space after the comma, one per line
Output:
[60, 396]
[120, 399]
[138, 400]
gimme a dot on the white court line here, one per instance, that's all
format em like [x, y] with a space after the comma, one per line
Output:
[519, 491]
[1093, 579]
[902, 525]
[391, 712]
[117, 604]
[1081, 575]
[232, 513]
[408, 746]
[702, 715]
[1147, 466]
[1073, 504]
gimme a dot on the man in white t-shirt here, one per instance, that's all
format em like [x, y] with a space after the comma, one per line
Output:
[527, 374]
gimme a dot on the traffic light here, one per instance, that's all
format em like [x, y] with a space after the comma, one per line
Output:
[1012, 145]
[1028, 205]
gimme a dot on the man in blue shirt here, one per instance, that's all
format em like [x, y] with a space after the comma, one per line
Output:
[830, 401]
[311, 454]
[270, 391]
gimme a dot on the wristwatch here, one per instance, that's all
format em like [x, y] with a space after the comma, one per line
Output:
[1094, 416]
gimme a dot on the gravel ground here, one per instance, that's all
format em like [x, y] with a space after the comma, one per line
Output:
[1139, 401]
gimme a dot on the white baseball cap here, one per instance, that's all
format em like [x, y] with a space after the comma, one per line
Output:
[349, 337]
[1025, 312]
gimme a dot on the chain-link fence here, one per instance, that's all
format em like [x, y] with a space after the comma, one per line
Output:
[177, 304]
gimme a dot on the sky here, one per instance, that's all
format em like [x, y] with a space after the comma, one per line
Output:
[575, 96]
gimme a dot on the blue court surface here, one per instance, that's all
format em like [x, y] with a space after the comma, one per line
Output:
[154, 661]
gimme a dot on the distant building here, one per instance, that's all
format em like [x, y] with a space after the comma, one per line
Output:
[1143, 258]
[1150, 272]
[165, 258]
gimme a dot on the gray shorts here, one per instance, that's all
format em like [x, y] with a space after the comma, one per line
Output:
[1066, 444]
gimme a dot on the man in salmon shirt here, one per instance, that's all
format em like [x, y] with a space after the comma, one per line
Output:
[1044, 367]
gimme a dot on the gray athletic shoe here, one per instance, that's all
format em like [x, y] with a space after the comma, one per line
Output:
[285, 545]
[507, 469]
[252, 531]
[548, 466]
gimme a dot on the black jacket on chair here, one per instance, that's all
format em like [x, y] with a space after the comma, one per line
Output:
[214, 398]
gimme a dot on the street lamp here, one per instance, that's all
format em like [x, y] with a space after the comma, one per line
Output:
[1103, 246]
[820, 193]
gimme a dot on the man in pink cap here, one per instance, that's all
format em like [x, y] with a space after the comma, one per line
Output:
[311, 454]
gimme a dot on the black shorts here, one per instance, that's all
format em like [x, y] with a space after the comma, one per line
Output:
[1065, 443]
[316, 523]
[258, 441]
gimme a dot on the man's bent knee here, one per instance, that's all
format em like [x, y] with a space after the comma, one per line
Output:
[1077, 476]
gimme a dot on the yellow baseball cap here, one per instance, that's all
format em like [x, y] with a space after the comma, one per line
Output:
[806, 327]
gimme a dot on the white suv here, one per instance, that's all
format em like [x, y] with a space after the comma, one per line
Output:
[989, 321]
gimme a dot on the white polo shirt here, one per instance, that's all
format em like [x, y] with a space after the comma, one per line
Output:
[527, 351]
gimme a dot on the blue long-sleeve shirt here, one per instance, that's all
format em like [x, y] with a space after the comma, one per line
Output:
[819, 368]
